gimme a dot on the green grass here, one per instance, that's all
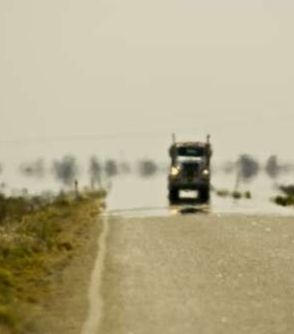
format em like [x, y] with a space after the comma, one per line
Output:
[8, 317]
[37, 237]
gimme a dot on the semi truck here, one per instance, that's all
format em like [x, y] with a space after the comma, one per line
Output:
[190, 169]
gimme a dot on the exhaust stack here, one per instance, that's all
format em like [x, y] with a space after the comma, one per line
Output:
[174, 138]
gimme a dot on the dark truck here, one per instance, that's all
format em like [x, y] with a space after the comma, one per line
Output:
[190, 169]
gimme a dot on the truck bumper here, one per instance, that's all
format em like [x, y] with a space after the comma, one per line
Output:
[188, 185]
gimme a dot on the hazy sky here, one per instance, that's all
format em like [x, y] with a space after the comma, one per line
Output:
[91, 67]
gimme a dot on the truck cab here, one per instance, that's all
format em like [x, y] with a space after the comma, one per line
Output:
[190, 169]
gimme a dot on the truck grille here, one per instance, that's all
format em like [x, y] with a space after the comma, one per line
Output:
[190, 170]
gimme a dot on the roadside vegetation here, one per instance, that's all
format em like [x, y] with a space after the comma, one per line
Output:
[287, 197]
[247, 168]
[38, 237]
[225, 193]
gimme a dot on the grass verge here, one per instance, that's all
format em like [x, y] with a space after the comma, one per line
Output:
[38, 238]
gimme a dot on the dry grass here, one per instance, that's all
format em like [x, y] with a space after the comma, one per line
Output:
[37, 238]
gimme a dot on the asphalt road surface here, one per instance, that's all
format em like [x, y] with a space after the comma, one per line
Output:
[200, 273]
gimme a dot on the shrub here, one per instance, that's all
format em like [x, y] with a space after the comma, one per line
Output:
[236, 195]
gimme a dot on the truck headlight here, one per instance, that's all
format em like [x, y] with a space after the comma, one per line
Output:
[205, 172]
[174, 171]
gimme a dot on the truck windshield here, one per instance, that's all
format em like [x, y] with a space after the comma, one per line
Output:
[191, 151]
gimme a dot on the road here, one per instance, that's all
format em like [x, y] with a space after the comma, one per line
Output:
[200, 273]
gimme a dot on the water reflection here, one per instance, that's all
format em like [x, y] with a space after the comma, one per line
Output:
[151, 196]
[140, 196]
[189, 206]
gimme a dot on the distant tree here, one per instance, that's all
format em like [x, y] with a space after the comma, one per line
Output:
[248, 167]
[228, 167]
[147, 168]
[272, 167]
[33, 169]
[288, 190]
[111, 168]
[2, 187]
[66, 170]
[124, 167]
[95, 170]
[287, 168]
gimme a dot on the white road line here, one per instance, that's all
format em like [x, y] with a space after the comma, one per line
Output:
[91, 324]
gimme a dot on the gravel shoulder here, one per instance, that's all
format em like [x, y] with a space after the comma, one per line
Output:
[66, 309]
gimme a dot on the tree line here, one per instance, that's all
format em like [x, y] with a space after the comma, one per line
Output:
[248, 167]
[67, 169]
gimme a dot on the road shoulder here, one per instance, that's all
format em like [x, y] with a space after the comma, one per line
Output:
[66, 309]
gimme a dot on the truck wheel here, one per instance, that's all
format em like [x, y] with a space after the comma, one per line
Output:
[204, 195]
[173, 195]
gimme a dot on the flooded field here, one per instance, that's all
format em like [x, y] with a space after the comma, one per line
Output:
[129, 191]
[149, 197]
